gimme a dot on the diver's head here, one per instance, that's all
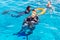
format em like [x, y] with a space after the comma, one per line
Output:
[33, 13]
[28, 7]
[34, 10]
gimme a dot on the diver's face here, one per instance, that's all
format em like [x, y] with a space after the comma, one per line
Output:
[29, 8]
[34, 11]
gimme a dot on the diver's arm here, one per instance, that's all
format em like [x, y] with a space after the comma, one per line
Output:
[19, 14]
[35, 19]
[6, 11]
[15, 15]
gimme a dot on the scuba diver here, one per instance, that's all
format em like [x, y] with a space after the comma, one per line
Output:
[28, 25]
[19, 13]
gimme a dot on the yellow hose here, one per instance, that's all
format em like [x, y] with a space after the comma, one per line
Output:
[42, 9]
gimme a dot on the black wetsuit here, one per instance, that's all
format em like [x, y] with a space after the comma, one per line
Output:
[32, 19]
[28, 21]
[23, 30]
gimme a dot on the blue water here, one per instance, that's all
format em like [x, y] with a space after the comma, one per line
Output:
[47, 29]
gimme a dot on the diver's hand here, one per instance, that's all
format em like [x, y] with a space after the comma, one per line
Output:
[5, 12]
